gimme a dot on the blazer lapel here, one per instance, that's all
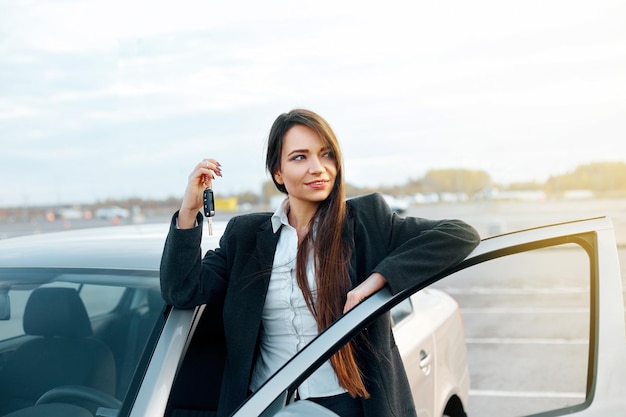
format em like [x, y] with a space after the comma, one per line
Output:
[267, 241]
[257, 287]
[245, 307]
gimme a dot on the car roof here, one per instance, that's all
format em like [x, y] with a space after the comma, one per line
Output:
[129, 247]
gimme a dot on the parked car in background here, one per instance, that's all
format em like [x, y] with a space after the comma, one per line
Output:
[398, 205]
[112, 212]
[84, 332]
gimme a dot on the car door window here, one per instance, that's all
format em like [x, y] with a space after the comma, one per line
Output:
[527, 324]
[401, 311]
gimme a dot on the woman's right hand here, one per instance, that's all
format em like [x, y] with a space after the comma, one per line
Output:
[199, 179]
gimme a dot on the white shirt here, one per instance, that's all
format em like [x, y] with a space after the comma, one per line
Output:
[287, 324]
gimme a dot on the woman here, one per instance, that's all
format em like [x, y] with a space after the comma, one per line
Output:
[281, 278]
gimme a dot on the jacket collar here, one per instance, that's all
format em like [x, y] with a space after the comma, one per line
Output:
[279, 218]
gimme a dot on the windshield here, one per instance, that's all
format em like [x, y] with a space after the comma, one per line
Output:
[73, 328]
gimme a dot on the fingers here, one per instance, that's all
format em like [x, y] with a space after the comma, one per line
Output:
[211, 164]
[366, 288]
[205, 172]
[208, 168]
[352, 300]
[200, 178]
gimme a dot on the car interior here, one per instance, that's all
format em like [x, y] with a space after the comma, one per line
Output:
[61, 351]
[65, 354]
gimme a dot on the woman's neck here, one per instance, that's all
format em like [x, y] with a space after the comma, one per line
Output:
[300, 215]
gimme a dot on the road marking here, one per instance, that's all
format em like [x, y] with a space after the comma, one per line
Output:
[526, 394]
[514, 291]
[523, 310]
[523, 341]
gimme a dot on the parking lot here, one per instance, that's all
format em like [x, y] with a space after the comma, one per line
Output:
[526, 331]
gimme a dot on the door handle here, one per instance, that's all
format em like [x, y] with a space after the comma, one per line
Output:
[426, 361]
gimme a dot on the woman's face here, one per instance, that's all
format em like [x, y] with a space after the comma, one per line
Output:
[307, 166]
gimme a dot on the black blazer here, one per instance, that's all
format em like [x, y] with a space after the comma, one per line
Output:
[236, 276]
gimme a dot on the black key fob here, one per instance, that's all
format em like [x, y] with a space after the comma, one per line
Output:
[209, 203]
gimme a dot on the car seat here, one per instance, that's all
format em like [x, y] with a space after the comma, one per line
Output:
[60, 352]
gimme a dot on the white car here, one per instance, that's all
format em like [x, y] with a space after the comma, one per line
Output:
[96, 291]
[112, 212]
[429, 332]
[398, 205]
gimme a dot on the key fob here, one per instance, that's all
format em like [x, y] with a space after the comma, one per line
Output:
[209, 203]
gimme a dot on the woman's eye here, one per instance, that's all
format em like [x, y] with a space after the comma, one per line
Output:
[328, 155]
[298, 158]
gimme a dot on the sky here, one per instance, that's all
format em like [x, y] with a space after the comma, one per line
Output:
[117, 99]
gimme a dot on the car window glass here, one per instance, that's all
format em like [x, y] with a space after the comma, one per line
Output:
[527, 324]
[401, 311]
[100, 299]
[122, 317]
[13, 327]
[18, 298]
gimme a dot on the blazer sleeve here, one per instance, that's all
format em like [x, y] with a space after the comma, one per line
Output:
[408, 250]
[187, 280]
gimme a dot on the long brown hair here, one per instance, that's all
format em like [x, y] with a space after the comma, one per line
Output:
[330, 247]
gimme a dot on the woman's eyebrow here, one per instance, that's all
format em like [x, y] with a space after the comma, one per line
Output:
[323, 149]
[298, 151]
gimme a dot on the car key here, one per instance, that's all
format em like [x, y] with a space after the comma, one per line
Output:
[209, 208]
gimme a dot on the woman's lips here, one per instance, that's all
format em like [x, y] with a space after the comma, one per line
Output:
[319, 184]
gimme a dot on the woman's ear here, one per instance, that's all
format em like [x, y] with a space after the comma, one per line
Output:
[279, 178]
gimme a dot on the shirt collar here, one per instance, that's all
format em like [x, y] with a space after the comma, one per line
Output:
[279, 217]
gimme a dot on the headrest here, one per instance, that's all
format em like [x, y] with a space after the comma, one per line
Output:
[56, 312]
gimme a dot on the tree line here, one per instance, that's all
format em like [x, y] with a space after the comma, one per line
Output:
[604, 179]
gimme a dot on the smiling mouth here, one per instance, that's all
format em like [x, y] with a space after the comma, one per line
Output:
[318, 183]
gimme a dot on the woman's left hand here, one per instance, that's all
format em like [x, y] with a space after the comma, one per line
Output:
[368, 287]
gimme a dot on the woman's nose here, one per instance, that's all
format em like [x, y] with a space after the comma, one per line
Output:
[316, 166]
